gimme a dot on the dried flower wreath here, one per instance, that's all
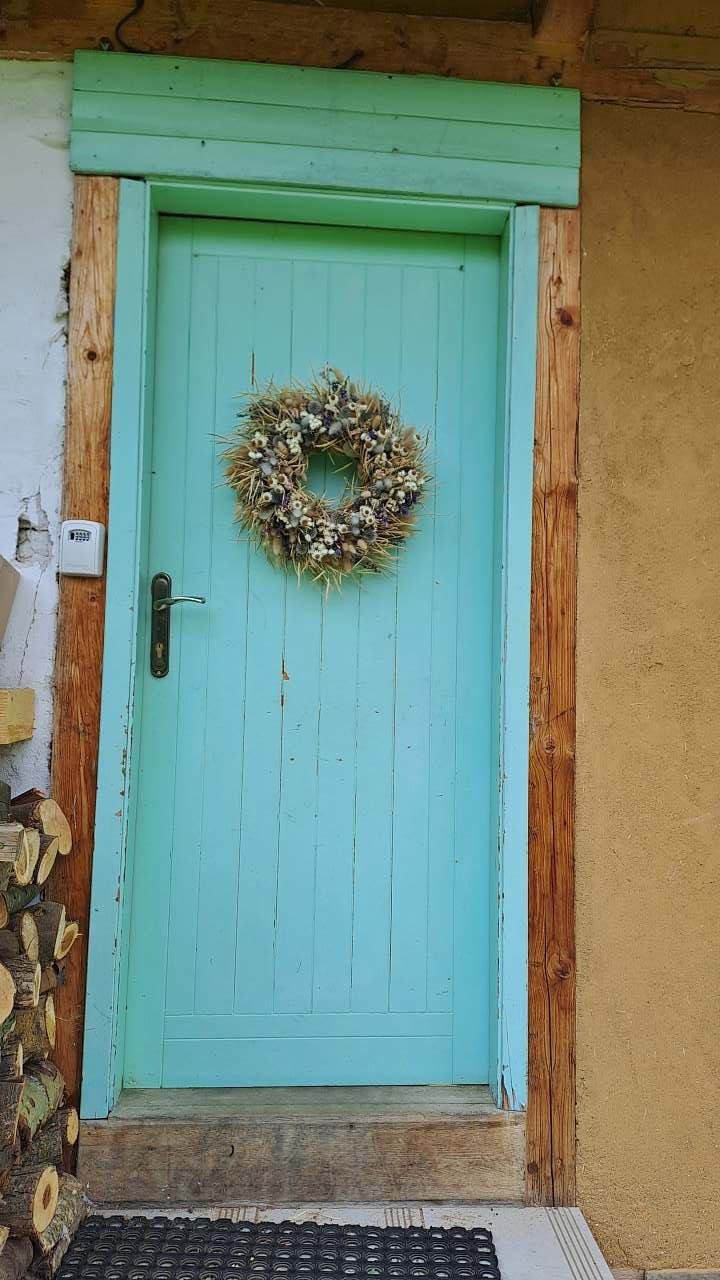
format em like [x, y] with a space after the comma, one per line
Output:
[266, 465]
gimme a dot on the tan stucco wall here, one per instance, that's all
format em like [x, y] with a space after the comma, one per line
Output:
[648, 748]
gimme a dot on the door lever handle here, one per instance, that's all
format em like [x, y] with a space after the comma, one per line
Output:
[166, 602]
[162, 601]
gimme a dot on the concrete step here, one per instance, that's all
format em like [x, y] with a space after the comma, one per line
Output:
[531, 1243]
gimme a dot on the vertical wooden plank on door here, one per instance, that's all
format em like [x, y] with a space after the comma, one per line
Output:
[413, 640]
[227, 590]
[551, 977]
[207, 927]
[156, 879]
[376, 681]
[344, 335]
[270, 356]
[78, 663]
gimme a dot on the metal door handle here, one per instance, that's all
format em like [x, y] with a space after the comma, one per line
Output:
[165, 602]
[162, 601]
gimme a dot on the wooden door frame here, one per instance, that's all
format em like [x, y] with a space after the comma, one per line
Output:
[551, 1039]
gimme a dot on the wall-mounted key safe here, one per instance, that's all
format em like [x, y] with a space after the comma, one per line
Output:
[82, 548]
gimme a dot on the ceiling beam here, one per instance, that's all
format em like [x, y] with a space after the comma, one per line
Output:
[625, 67]
[562, 21]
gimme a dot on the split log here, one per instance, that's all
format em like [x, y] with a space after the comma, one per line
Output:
[4, 1237]
[46, 1147]
[24, 868]
[10, 1105]
[7, 989]
[71, 933]
[53, 975]
[26, 931]
[15, 898]
[9, 945]
[32, 794]
[50, 921]
[37, 1030]
[44, 815]
[54, 1140]
[52, 1243]
[17, 848]
[26, 974]
[30, 1200]
[42, 1093]
[49, 849]
[15, 1258]
[12, 1059]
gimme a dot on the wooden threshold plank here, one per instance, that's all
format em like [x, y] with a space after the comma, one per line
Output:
[206, 1161]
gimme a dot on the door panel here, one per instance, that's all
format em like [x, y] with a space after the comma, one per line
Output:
[312, 852]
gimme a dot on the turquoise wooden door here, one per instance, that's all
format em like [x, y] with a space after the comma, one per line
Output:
[312, 861]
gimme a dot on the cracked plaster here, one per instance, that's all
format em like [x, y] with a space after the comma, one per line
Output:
[35, 216]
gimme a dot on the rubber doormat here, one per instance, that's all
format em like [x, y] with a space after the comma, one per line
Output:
[117, 1248]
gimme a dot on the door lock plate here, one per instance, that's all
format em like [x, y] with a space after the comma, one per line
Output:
[160, 589]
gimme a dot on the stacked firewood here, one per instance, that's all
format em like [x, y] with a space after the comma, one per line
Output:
[41, 1204]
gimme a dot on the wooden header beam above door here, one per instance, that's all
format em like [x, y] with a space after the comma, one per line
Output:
[634, 68]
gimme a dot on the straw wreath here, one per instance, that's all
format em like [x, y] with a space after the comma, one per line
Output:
[266, 466]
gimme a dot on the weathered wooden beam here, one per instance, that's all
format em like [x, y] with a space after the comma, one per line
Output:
[78, 663]
[551, 968]
[567, 21]
[629, 68]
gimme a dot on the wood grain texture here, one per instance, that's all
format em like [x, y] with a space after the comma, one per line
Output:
[551, 976]
[637, 68]
[281, 1158]
[562, 21]
[370, 1103]
[17, 715]
[78, 665]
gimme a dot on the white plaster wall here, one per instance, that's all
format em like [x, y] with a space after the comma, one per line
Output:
[35, 215]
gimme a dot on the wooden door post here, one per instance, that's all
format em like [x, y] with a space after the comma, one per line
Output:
[78, 662]
[551, 976]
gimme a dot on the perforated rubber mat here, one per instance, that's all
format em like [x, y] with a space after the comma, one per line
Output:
[117, 1248]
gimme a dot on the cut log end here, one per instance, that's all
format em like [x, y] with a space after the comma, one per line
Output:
[49, 849]
[30, 1200]
[45, 816]
[70, 934]
[46, 1198]
[52, 1243]
[7, 992]
[71, 1121]
[50, 921]
[51, 1020]
[25, 929]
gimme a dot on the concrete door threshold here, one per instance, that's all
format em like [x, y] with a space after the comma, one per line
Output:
[532, 1243]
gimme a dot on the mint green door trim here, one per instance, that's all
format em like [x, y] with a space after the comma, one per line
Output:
[141, 204]
[187, 118]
